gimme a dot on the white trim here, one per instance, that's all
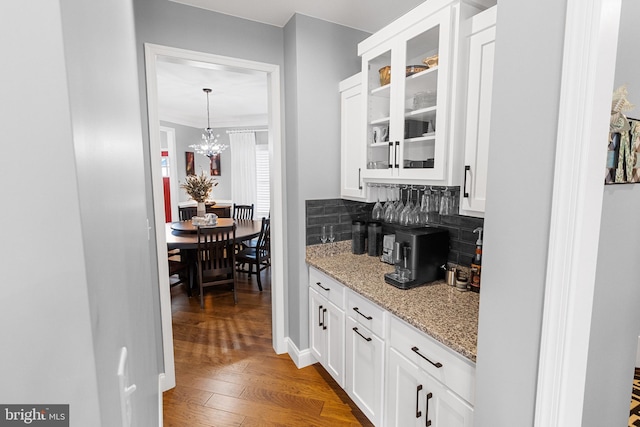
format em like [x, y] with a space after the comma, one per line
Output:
[173, 169]
[161, 382]
[278, 309]
[303, 358]
[587, 80]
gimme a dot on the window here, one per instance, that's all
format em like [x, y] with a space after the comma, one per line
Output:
[263, 173]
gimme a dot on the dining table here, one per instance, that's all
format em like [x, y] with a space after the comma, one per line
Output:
[183, 235]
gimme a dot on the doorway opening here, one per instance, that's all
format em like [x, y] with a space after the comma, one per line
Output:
[154, 54]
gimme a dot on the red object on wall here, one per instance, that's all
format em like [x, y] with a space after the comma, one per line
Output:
[167, 190]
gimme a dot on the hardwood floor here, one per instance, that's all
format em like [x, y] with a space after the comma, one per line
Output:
[227, 373]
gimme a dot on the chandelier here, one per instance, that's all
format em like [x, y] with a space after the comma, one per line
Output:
[209, 146]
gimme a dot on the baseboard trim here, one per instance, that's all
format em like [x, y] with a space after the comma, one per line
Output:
[302, 358]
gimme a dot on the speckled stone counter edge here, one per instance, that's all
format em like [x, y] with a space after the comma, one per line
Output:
[440, 311]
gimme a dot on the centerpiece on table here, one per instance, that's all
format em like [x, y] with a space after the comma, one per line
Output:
[199, 188]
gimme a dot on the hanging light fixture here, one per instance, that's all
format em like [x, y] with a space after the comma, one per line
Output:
[209, 146]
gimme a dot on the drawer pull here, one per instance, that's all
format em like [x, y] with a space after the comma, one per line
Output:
[356, 331]
[323, 288]
[324, 325]
[416, 350]
[426, 416]
[319, 314]
[358, 311]
[418, 411]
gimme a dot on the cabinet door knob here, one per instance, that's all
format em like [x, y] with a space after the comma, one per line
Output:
[426, 415]
[365, 338]
[323, 288]
[416, 350]
[418, 411]
[324, 325]
[467, 169]
[363, 315]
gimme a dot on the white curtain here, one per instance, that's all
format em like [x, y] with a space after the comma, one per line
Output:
[243, 168]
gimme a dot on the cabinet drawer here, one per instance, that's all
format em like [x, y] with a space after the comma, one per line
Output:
[366, 313]
[327, 287]
[451, 369]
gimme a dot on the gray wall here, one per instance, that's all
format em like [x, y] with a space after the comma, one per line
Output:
[318, 55]
[518, 209]
[614, 338]
[79, 287]
[187, 135]
[172, 24]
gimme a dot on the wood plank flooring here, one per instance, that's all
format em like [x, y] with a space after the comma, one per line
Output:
[227, 373]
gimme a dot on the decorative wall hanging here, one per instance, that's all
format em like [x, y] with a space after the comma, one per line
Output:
[623, 153]
[214, 165]
[190, 163]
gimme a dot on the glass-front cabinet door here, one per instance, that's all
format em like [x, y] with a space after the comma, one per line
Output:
[407, 102]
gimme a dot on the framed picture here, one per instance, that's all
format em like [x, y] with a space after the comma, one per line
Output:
[214, 162]
[623, 156]
[190, 163]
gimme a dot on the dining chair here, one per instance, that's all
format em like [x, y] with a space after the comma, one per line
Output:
[243, 211]
[258, 256]
[178, 270]
[187, 213]
[216, 263]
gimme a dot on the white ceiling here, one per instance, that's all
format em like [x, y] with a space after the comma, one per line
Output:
[366, 15]
[240, 99]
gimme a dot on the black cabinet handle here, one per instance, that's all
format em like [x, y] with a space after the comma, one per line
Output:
[324, 325]
[390, 156]
[319, 314]
[356, 331]
[418, 411]
[323, 288]
[416, 350]
[467, 169]
[426, 415]
[397, 161]
[358, 311]
[359, 182]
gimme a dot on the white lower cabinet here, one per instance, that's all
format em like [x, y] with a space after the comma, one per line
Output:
[365, 370]
[397, 375]
[326, 330]
[415, 398]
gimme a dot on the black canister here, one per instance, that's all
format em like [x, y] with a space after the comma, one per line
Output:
[374, 233]
[359, 234]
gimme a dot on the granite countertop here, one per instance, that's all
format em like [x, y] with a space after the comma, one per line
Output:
[442, 312]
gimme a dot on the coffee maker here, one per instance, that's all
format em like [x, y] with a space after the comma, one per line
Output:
[418, 256]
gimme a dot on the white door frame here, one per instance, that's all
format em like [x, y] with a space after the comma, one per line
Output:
[588, 71]
[278, 308]
[173, 169]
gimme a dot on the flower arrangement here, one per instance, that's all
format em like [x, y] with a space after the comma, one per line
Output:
[199, 187]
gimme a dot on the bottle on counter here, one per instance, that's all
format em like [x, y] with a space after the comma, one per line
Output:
[476, 263]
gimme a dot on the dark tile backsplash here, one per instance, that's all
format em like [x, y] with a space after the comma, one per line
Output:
[340, 213]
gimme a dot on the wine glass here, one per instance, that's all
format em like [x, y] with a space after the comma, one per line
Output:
[397, 210]
[332, 235]
[445, 202]
[323, 236]
[424, 208]
[377, 212]
[405, 215]
[415, 213]
[390, 207]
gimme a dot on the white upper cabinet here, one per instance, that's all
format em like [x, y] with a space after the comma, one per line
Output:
[409, 124]
[481, 43]
[351, 135]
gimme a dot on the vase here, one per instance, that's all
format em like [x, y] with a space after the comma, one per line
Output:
[201, 209]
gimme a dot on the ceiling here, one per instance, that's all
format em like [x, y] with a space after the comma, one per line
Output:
[240, 99]
[365, 15]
